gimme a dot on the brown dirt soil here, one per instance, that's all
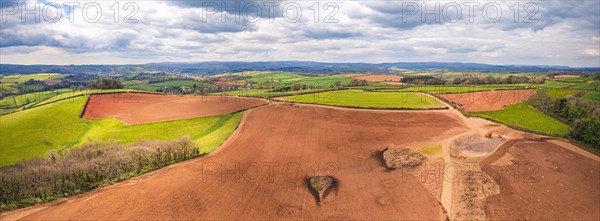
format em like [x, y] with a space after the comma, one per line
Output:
[376, 77]
[551, 182]
[141, 108]
[567, 76]
[488, 100]
[298, 141]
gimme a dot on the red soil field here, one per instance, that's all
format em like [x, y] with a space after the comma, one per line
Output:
[236, 182]
[375, 77]
[141, 108]
[551, 183]
[567, 76]
[488, 100]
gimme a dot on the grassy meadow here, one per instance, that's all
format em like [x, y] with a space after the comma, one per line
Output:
[523, 116]
[363, 99]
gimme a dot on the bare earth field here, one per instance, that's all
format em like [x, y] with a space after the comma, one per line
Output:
[567, 76]
[259, 172]
[141, 108]
[488, 100]
[393, 79]
[543, 180]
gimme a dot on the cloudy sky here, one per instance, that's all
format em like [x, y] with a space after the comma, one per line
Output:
[548, 32]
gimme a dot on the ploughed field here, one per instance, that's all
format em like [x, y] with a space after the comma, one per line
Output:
[260, 171]
[488, 100]
[376, 77]
[141, 108]
[540, 179]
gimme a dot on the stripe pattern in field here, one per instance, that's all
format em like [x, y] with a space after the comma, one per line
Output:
[488, 100]
[141, 108]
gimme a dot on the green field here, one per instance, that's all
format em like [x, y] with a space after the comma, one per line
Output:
[8, 89]
[362, 99]
[557, 84]
[592, 96]
[265, 93]
[24, 99]
[33, 132]
[524, 116]
[445, 89]
[590, 86]
[143, 85]
[20, 78]
[561, 93]
[573, 80]
[280, 79]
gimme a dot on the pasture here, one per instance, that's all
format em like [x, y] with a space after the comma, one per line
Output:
[375, 100]
[523, 116]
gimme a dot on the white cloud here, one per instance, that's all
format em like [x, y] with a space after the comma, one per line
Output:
[365, 32]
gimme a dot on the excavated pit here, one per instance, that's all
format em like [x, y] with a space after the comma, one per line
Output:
[320, 186]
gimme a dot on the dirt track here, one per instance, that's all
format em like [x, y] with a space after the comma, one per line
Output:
[488, 100]
[140, 108]
[543, 180]
[301, 140]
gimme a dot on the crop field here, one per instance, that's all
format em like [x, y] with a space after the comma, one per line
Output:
[20, 78]
[57, 125]
[279, 79]
[592, 96]
[557, 84]
[282, 134]
[143, 85]
[564, 185]
[574, 79]
[448, 89]
[589, 85]
[266, 93]
[386, 78]
[362, 99]
[488, 100]
[562, 93]
[7, 89]
[524, 116]
[141, 108]
[340, 131]
[24, 99]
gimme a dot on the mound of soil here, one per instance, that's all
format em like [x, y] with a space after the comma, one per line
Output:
[402, 158]
[475, 145]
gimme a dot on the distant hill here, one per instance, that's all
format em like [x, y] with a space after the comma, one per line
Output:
[211, 68]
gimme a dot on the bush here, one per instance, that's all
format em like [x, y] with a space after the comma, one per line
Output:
[105, 83]
[587, 130]
[76, 170]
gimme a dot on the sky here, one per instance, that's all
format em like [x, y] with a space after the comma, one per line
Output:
[549, 32]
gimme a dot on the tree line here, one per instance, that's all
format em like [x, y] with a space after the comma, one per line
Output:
[582, 116]
[77, 170]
